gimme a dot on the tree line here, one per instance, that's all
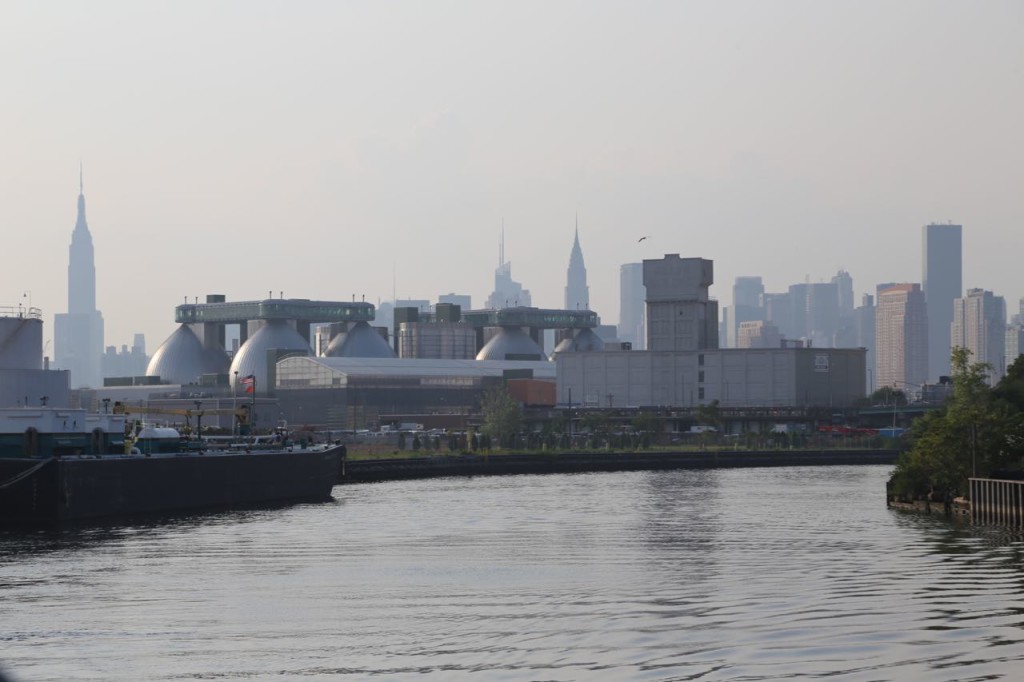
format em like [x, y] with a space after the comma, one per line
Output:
[979, 432]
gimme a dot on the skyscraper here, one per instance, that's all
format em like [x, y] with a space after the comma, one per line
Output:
[747, 296]
[631, 305]
[943, 283]
[901, 337]
[864, 330]
[507, 293]
[78, 334]
[577, 293]
[979, 325]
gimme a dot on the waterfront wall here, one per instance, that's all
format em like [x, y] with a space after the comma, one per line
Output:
[362, 471]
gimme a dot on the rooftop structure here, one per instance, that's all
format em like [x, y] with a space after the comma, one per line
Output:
[298, 309]
[680, 314]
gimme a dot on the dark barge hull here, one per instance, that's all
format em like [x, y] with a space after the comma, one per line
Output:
[71, 489]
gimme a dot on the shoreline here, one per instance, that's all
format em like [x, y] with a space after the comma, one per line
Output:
[392, 469]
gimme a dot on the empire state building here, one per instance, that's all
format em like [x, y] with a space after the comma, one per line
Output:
[78, 333]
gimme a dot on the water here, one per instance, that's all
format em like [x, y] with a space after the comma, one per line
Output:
[715, 575]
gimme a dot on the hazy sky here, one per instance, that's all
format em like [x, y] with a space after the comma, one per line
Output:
[315, 148]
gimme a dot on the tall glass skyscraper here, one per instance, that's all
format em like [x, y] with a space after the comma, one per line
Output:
[942, 281]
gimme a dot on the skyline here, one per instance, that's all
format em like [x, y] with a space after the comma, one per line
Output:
[308, 150]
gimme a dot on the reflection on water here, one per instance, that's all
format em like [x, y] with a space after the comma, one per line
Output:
[732, 574]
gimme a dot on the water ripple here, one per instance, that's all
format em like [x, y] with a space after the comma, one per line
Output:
[702, 575]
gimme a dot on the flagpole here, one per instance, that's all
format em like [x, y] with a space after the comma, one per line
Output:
[252, 410]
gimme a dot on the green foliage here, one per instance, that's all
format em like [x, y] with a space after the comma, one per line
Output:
[502, 416]
[710, 414]
[888, 395]
[979, 429]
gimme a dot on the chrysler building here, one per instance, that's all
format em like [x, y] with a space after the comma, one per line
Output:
[577, 293]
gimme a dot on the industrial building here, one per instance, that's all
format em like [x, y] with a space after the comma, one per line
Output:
[764, 377]
[25, 380]
[685, 368]
[348, 393]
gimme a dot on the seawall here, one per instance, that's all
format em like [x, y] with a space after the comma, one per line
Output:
[370, 470]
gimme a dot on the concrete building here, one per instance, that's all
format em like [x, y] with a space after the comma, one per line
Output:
[632, 306]
[778, 377]
[901, 337]
[680, 314]
[577, 293]
[78, 334]
[942, 280]
[758, 334]
[979, 325]
[436, 340]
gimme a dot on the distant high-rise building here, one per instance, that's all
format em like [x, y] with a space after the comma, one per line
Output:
[464, 301]
[632, 309]
[507, 292]
[1014, 343]
[758, 334]
[577, 293]
[747, 297]
[822, 317]
[979, 325]
[1015, 336]
[680, 314]
[78, 334]
[864, 326]
[942, 281]
[901, 337]
[128, 362]
[778, 309]
[798, 310]
[844, 293]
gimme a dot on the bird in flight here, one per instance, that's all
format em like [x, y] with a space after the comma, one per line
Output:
[641, 239]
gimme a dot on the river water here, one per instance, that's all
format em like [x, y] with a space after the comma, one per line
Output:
[755, 574]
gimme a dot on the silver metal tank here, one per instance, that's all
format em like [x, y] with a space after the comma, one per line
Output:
[21, 338]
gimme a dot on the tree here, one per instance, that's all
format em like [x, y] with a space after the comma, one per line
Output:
[969, 436]
[888, 395]
[502, 416]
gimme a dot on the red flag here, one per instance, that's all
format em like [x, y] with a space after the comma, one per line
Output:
[250, 383]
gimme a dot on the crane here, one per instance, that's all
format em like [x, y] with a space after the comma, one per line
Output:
[240, 413]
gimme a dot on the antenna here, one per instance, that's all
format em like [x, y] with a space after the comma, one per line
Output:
[501, 245]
